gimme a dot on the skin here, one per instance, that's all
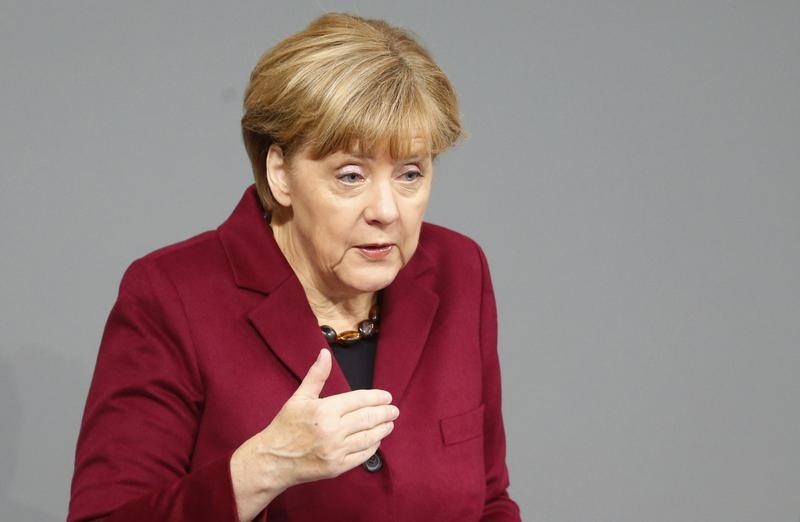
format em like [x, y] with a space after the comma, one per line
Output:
[342, 206]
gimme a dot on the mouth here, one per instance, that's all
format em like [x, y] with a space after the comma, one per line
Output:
[375, 251]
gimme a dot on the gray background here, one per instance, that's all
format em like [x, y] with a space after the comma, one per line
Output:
[632, 173]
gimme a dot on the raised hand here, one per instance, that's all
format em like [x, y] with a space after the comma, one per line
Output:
[311, 438]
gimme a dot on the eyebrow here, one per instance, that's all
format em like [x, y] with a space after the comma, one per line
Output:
[417, 158]
[411, 159]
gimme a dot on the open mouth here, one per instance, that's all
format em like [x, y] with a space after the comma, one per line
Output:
[375, 251]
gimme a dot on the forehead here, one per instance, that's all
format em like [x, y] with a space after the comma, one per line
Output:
[387, 149]
[394, 149]
[368, 137]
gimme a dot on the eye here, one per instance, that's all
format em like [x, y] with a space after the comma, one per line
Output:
[410, 176]
[350, 178]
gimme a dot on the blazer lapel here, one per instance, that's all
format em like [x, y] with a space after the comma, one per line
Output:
[407, 311]
[283, 319]
[288, 326]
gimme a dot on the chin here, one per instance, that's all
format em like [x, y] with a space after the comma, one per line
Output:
[374, 279]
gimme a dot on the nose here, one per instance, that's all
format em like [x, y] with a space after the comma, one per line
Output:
[382, 208]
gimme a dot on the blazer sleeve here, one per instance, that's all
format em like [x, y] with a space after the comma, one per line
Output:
[133, 458]
[498, 507]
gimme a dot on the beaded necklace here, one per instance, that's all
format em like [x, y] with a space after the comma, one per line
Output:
[366, 328]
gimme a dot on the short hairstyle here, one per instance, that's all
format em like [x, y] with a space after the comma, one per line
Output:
[346, 83]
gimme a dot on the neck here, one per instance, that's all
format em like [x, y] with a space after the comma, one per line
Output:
[336, 308]
[340, 315]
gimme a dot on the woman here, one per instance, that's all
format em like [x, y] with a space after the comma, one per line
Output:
[212, 398]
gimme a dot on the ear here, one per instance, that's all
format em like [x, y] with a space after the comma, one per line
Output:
[278, 176]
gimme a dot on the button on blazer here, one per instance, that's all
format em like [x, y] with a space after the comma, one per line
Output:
[209, 337]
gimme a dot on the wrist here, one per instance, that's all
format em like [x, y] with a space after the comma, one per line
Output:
[255, 480]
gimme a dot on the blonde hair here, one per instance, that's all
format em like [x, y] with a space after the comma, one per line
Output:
[346, 83]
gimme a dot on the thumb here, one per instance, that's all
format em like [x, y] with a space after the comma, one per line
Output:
[316, 376]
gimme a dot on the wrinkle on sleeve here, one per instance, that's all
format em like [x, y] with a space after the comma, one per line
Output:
[134, 452]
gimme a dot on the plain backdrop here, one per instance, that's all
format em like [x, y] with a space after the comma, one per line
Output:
[632, 173]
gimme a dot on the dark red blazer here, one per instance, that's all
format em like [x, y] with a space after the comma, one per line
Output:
[209, 337]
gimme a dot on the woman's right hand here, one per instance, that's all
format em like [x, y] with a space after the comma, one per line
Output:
[311, 438]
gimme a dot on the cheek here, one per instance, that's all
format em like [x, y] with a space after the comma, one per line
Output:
[412, 224]
[329, 222]
[325, 235]
[414, 213]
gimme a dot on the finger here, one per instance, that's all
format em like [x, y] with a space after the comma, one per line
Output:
[365, 439]
[359, 457]
[316, 376]
[369, 417]
[356, 399]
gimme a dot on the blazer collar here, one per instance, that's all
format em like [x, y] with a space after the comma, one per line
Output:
[255, 259]
[284, 318]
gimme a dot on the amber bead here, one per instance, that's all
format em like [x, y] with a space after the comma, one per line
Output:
[349, 336]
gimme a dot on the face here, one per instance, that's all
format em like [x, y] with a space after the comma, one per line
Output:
[356, 218]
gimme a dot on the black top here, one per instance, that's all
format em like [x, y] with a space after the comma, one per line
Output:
[357, 361]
